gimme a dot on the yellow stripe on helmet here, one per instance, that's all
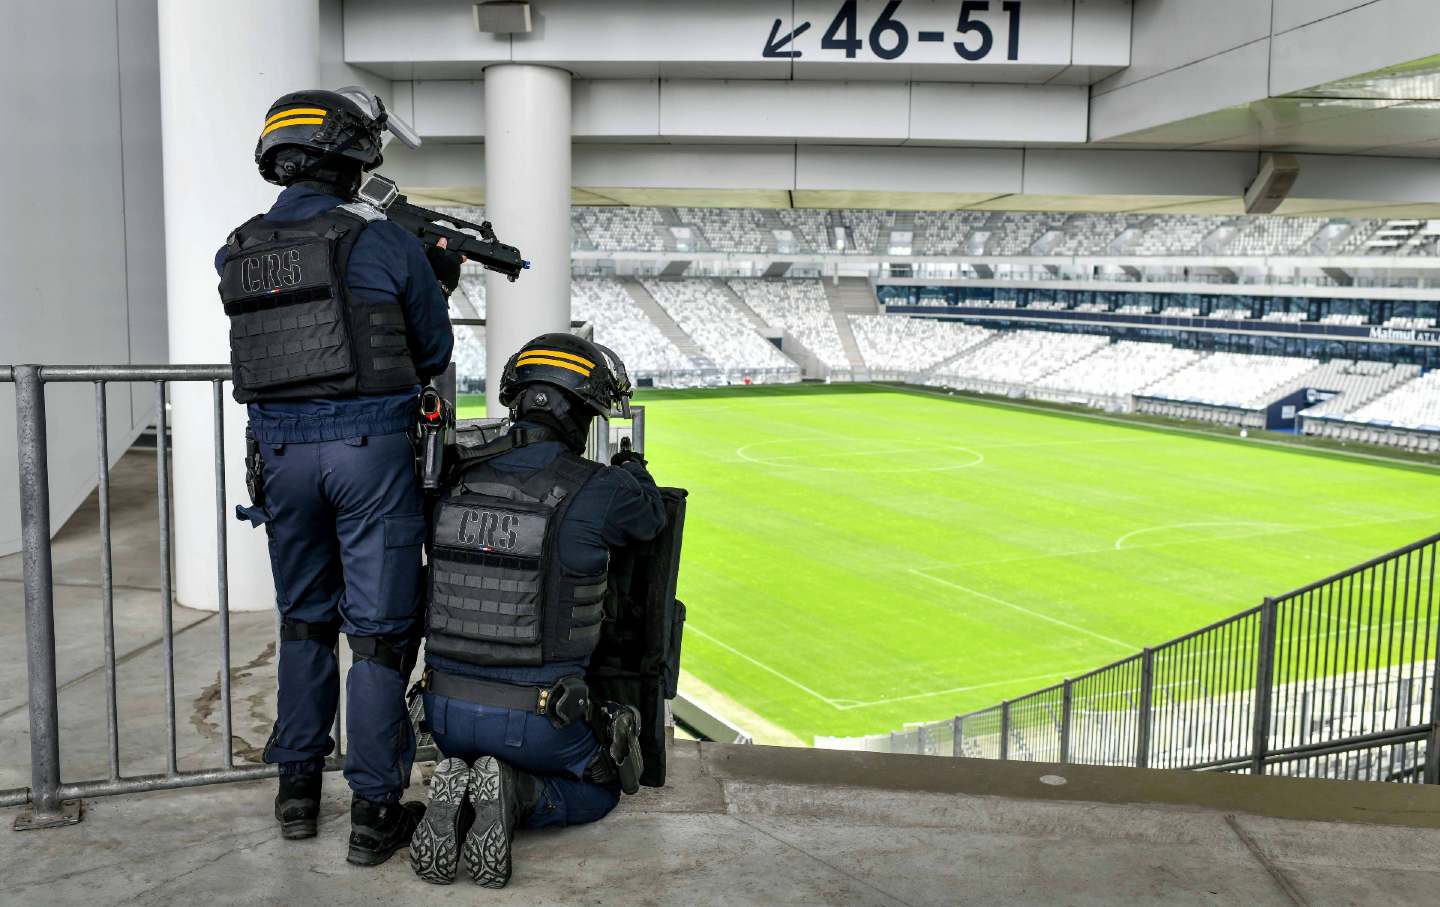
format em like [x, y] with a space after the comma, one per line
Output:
[556, 354]
[557, 363]
[295, 112]
[295, 121]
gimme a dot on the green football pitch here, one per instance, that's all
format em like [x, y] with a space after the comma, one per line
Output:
[860, 557]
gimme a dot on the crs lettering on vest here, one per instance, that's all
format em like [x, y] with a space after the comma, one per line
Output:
[490, 529]
[271, 272]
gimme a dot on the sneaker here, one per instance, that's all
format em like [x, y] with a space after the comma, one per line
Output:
[297, 805]
[495, 802]
[377, 830]
[435, 847]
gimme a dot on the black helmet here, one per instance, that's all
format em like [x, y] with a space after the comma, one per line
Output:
[326, 122]
[586, 371]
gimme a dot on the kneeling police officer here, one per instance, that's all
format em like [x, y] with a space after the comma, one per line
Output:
[336, 319]
[518, 560]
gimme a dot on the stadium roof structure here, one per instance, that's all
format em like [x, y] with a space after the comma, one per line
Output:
[1041, 105]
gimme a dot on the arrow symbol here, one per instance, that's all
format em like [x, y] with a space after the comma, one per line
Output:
[773, 46]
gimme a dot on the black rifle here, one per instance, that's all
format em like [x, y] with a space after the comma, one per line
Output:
[429, 226]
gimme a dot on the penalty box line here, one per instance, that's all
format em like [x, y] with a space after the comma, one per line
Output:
[843, 705]
[1129, 646]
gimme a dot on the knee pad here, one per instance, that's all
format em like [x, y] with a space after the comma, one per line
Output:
[396, 652]
[327, 634]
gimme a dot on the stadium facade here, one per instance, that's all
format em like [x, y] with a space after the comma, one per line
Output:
[1223, 212]
[1061, 141]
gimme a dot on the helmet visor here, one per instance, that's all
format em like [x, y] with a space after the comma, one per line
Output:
[621, 391]
[376, 108]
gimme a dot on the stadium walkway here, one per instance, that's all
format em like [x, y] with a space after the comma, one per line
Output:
[736, 825]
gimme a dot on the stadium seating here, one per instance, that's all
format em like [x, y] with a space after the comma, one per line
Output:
[1118, 370]
[1272, 235]
[474, 290]
[1240, 380]
[701, 308]
[810, 226]
[1357, 383]
[1017, 358]
[947, 233]
[1414, 404]
[1179, 234]
[801, 308]
[730, 229]
[623, 228]
[1410, 322]
[1343, 318]
[621, 325]
[469, 358]
[902, 345]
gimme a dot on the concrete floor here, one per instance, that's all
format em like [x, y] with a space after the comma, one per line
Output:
[735, 824]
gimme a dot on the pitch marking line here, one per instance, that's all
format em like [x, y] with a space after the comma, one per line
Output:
[781, 461]
[1281, 527]
[1078, 552]
[689, 627]
[1036, 614]
[977, 686]
[842, 705]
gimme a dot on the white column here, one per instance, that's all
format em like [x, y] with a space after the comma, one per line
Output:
[527, 198]
[221, 66]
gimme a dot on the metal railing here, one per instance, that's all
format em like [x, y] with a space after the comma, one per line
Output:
[1337, 679]
[52, 801]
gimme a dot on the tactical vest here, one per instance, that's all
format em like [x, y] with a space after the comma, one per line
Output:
[499, 594]
[295, 332]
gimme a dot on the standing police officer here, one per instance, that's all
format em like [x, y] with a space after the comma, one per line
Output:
[519, 565]
[336, 318]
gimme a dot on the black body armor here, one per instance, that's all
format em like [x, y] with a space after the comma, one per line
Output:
[295, 332]
[499, 594]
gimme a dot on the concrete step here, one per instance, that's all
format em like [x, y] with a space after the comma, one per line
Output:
[851, 296]
[662, 320]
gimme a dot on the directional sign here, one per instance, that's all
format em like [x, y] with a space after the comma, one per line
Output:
[924, 32]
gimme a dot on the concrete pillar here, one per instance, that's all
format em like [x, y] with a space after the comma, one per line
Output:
[221, 66]
[527, 198]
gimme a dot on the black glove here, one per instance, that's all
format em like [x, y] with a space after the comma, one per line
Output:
[628, 456]
[446, 265]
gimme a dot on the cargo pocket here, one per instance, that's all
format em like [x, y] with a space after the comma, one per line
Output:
[400, 573]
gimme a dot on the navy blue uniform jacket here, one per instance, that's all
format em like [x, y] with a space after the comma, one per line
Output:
[387, 263]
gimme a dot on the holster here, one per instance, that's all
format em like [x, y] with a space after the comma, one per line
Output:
[617, 727]
[254, 470]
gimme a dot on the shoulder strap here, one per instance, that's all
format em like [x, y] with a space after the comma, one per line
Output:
[236, 240]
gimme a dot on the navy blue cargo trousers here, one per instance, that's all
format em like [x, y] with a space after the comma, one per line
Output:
[346, 525]
[530, 743]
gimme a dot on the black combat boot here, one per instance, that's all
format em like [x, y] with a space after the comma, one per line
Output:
[435, 848]
[297, 805]
[502, 798]
[379, 829]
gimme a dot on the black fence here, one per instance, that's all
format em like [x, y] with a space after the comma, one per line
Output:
[1337, 679]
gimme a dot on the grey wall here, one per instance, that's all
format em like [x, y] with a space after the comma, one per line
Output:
[81, 229]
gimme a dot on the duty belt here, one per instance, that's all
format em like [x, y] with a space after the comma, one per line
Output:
[565, 702]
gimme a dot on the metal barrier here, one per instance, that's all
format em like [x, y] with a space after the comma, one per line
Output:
[1337, 679]
[52, 801]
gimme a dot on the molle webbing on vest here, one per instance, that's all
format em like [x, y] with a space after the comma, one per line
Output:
[295, 331]
[499, 594]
